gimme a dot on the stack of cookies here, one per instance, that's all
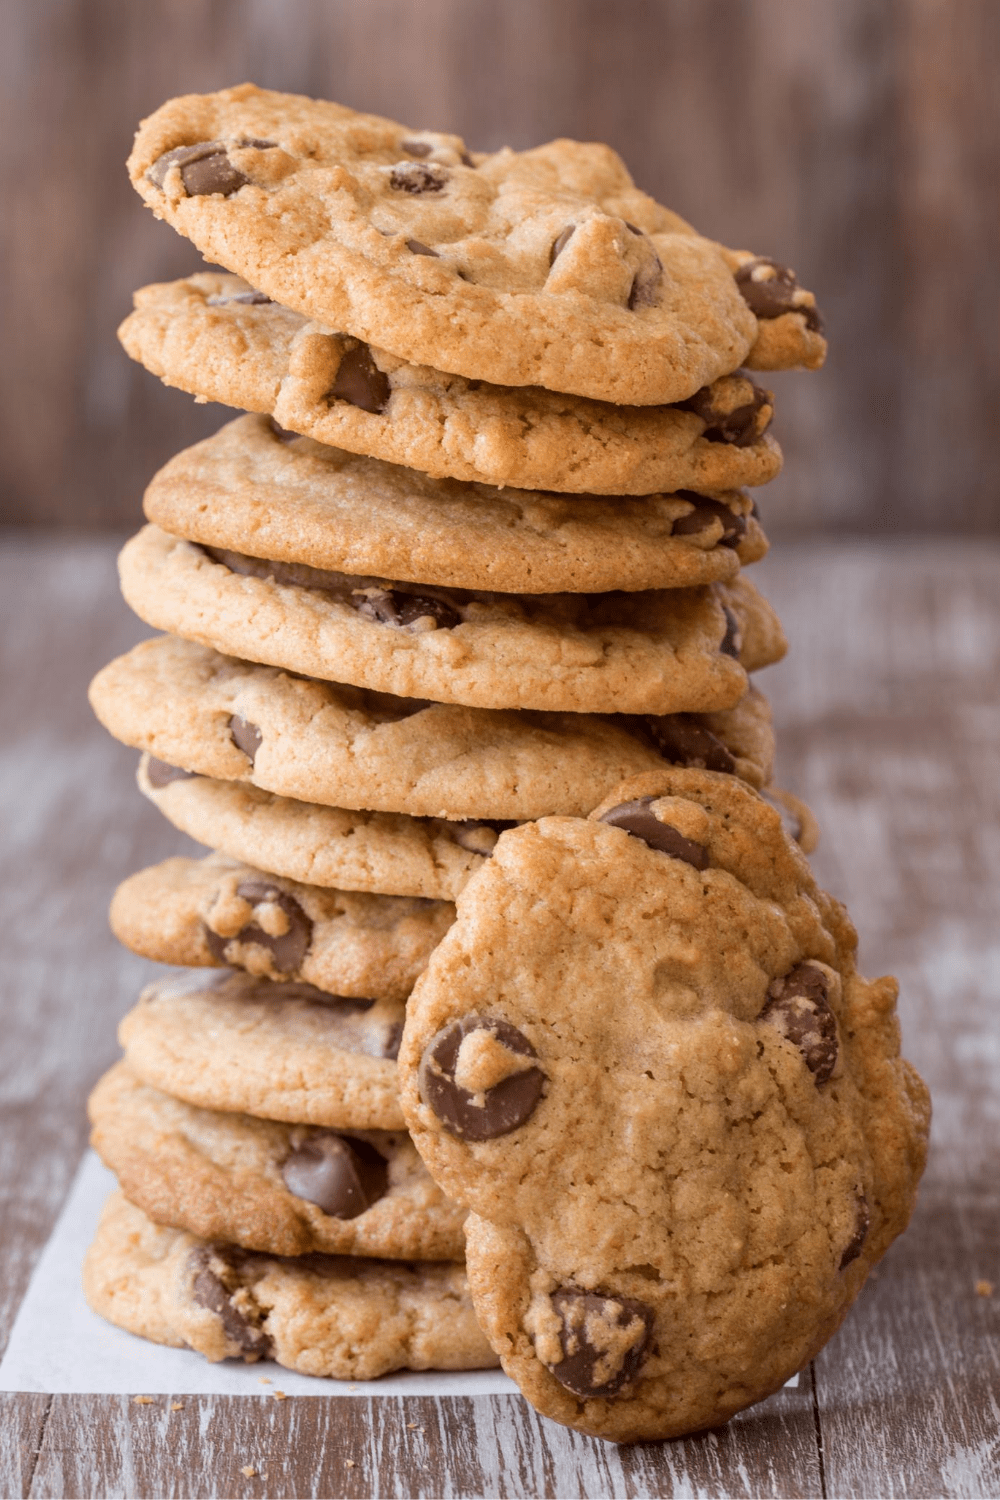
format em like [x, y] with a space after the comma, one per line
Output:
[471, 560]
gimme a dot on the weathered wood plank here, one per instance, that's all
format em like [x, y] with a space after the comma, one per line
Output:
[481, 1446]
[22, 1421]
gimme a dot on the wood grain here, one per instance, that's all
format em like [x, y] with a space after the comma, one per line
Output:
[888, 711]
[858, 142]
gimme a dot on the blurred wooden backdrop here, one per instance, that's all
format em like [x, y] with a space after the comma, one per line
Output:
[855, 139]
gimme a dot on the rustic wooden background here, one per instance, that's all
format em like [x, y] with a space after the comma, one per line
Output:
[856, 139]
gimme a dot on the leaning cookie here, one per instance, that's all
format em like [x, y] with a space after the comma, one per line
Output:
[432, 857]
[345, 747]
[645, 1060]
[498, 267]
[267, 1185]
[348, 1318]
[218, 911]
[283, 1051]
[643, 653]
[215, 336]
[253, 488]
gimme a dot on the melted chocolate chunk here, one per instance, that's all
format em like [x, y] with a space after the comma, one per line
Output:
[684, 742]
[740, 427]
[287, 949]
[245, 736]
[342, 1175]
[205, 168]
[360, 381]
[862, 1223]
[798, 1009]
[419, 248]
[505, 1107]
[161, 773]
[645, 284]
[208, 1266]
[596, 1362]
[561, 241]
[732, 642]
[637, 819]
[406, 611]
[249, 299]
[704, 511]
[768, 289]
[418, 177]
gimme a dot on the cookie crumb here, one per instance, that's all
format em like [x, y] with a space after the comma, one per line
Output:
[248, 1471]
[984, 1289]
[264, 1380]
[177, 1406]
[411, 1426]
[142, 1400]
[348, 1463]
[279, 1395]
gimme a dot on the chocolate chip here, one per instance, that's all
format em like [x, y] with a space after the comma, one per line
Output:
[360, 381]
[561, 241]
[416, 148]
[741, 426]
[342, 1176]
[798, 1009]
[419, 248]
[769, 289]
[245, 736]
[732, 642]
[645, 283]
[161, 773]
[207, 1266]
[862, 1223]
[596, 1361]
[283, 434]
[637, 819]
[703, 512]
[417, 612]
[505, 1107]
[418, 177]
[248, 299]
[393, 1038]
[684, 742]
[288, 948]
[205, 168]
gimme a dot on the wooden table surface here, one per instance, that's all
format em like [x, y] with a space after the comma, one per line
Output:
[889, 723]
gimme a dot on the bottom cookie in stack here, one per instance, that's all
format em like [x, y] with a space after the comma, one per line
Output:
[272, 1203]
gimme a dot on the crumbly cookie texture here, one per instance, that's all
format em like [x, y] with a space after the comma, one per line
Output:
[348, 1318]
[251, 489]
[661, 652]
[645, 1060]
[503, 267]
[268, 1185]
[431, 857]
[281, 1050]
[215, 336]
[218, 911]
[345, 747]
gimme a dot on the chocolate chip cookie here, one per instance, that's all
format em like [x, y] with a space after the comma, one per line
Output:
[433, 857]
[281, 1050]
[659, 652]
[215, 336]
[268, 1185]
[351, 1318]
[503, 267]
[253, 489]
[218, 911]
[644, 1058]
